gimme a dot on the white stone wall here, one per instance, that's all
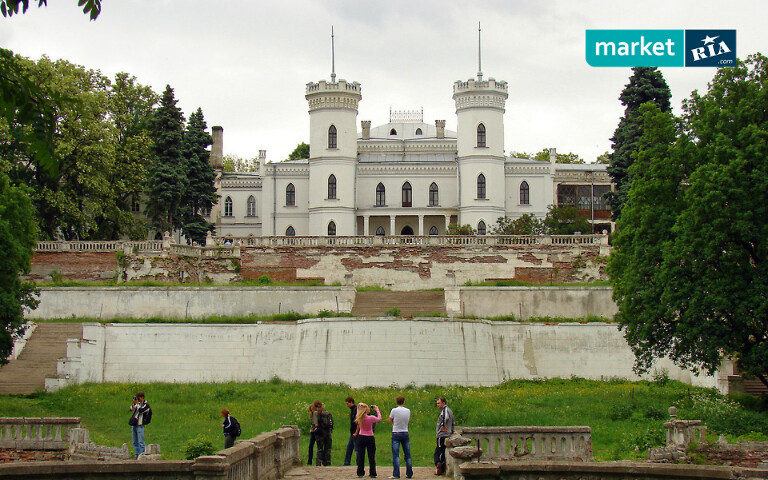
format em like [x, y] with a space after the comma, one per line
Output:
[526, 302]
[360, 353]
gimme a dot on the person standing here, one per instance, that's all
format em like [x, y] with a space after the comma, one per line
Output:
[312, 437]
[443, 430]
[365, 440]
[352, 429]
[139, 410]
[323, 433]
[231, 428]
[399, 418]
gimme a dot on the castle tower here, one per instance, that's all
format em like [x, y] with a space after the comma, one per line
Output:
[480, 144]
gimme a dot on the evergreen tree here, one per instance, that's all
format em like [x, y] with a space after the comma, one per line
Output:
[167, 176]
[200, 194]
[646, 84]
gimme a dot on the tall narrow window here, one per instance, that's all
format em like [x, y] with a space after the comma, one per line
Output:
[228, 207]
[290, 195]
[251, 206]
[481, 186]
[407, 195]
[380, 231]
[332, 137]
[433, 230]
[433, 195]
[481, 228]
[332, 186]
[524, 193]
[481, 135]
[418, 131]
[290, 232]
[332, 229]
[381, 195]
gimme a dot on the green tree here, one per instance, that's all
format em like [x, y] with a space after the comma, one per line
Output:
[646, 84]
[455, 229]
[235, 163]
[526, 224]
[200, 194]
[301, 151]
[167, 175]
[565, 221]
[695, 290]
[17, 239]
[543, 156]
[11, 7]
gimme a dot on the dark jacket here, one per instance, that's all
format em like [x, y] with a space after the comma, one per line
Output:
[352, 415]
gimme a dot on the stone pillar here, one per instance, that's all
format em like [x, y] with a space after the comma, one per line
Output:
[392, 225]
[262, 162]
[166, 244]
[217, 148]
[366, 124]
[211, 467]
[447, 222]
[440, 126]
[366, 225]
[421, 225]
[209, 241]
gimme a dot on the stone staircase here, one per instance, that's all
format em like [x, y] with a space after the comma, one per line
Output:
[45, 346]
[411, 304]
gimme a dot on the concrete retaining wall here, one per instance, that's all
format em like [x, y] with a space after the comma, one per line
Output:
[357, 352]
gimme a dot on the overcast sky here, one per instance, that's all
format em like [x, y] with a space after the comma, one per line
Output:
[246, 63]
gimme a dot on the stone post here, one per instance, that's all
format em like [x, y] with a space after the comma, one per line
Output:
[209, 241]
[211, 467]
[366, 125]
[166, 244]
[440, 126]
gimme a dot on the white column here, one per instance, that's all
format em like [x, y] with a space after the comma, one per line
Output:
[447, 222]
[392, 225]
[366, 222]
[421, 225]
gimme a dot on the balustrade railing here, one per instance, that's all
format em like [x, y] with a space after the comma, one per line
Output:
[531, 443]
[36, 433]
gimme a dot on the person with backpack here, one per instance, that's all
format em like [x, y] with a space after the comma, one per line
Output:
[141, 415]
[322, 420]
[231, 428]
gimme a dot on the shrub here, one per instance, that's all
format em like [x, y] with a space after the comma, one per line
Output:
[620, 412]
[654, 413]
[650, 438]
[725, 416]
[264, 280]
[393, 312]
[199, 446]
[56, 276]
[660, 376]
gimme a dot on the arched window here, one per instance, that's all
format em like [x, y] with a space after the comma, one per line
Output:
[332, 137]
[524, 193]
[393, 132]
[481, 228]
[433, 230]
[407, 195]
[228, 207]
[381, 195]
[332, 229]
[481, 186]
[481, 135]
[407, 230]
[251, 206]
[433, 197]
[290, 232]
[418, 131]
[380, 231]
[332, 186]
[290, 195]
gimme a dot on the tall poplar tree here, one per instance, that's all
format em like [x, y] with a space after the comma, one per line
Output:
[167, 175]
[646, 84]
[200, 194]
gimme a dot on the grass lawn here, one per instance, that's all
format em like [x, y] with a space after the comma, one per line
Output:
[623, 415]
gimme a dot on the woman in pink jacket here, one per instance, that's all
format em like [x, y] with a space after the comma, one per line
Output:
[364, 439]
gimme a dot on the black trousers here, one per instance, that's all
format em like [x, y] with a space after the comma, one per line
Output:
[440, 451]
[366, 444]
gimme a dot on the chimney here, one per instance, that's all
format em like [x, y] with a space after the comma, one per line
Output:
[440, 125]
[552, 156]
[366, 124]
[217, 148]
[262, 162]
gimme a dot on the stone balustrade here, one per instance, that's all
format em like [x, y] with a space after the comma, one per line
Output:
[531, 443]
[23, 433]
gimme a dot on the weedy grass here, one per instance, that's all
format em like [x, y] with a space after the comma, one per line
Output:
[623, 415]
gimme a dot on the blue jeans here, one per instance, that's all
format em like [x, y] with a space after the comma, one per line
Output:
[137, 432]
[401, 438]
[350, 449]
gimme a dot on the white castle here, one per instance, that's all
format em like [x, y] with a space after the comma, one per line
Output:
[405, 177]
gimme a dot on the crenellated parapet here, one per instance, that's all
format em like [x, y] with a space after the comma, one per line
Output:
[334, 95]
[474, 93]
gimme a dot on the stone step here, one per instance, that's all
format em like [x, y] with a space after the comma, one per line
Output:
[369, 304]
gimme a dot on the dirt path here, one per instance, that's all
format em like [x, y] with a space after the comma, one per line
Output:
[350, 473]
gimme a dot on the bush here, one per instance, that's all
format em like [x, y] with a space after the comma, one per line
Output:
[264, 280]
[393, 312]
[56, 276]
[650, 438]
[660, 376]
[620, 412]
[654, 413]
[198, 447]
[725, 416]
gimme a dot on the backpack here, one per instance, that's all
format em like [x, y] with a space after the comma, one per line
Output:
[234, 427]
[325, 421]
[147, 416]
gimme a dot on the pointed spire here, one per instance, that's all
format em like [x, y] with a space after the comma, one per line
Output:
[479, 56]
[333, 58]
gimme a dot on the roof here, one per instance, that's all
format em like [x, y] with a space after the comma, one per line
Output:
[407, 131]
